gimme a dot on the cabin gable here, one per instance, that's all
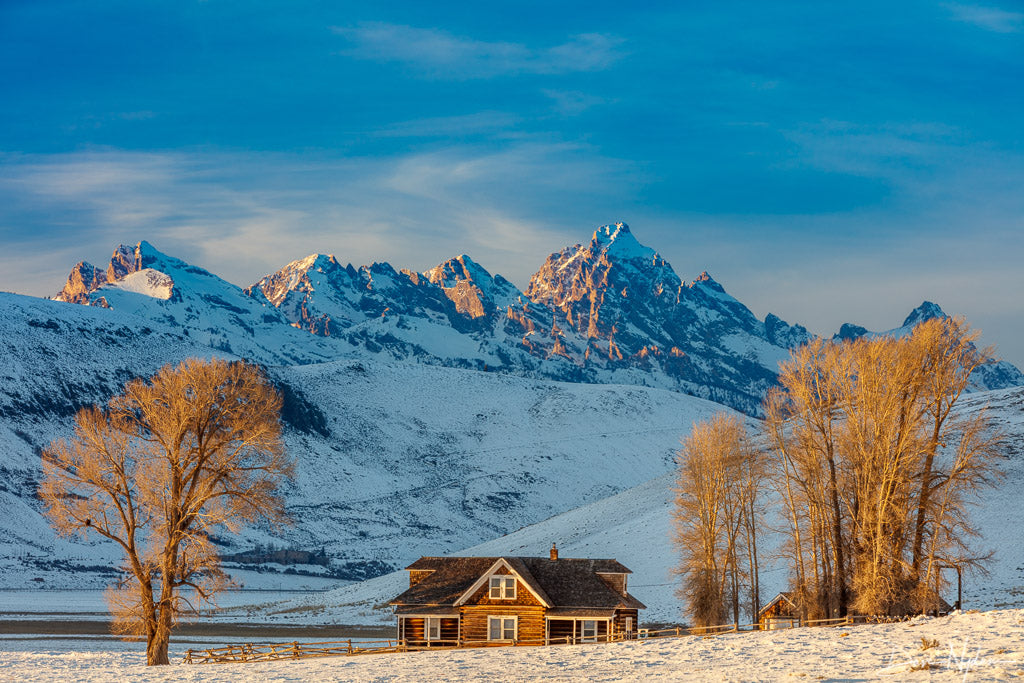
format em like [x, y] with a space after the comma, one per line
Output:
[525, 591]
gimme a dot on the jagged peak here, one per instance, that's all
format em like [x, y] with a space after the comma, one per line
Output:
[926, 311]
[610, 232]
[456, 269]
[313, 262]
[617, 240]
[851, 331]
[705, 280]
[84, 278]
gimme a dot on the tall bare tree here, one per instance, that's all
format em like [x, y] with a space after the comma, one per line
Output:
[802, 419]
[715, 528]
[195, 448]
[875, 469]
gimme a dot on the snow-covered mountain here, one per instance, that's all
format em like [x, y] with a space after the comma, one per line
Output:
[428, 411]
[394, 460]
[611, 311]
[167, 292]
[997, 374]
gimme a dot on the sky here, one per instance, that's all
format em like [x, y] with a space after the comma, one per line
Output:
[826, 162]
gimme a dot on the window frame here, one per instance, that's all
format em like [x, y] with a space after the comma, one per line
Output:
[427, 623]
[499, 587]
[584, 638]
[502, 620]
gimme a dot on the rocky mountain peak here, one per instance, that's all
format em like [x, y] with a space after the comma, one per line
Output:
[455, 270]
[473, 290]
[705, 280]
[926, 311]
[617, 242]
[84, 278]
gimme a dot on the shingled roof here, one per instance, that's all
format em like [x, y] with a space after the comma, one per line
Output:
[561, 583]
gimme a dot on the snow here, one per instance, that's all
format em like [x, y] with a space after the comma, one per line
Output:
[634, 526]
[982, 646]
[148, 282]
[617, 240]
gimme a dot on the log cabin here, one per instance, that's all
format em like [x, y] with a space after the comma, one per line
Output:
[458, 601]
[780, 612]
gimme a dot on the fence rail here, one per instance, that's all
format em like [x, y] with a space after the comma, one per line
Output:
[294, 650]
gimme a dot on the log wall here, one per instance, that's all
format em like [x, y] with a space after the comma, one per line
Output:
[530, 627]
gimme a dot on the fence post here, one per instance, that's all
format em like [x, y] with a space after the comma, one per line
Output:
[677, 631]
[350, 646]
[295, 649]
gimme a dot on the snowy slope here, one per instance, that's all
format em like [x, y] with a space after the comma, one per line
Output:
[148, 284]
[394, 461]
[635, 527]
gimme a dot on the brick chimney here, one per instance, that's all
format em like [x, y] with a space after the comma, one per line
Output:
[554, 552]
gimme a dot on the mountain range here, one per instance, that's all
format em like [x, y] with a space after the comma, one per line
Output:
[428, 412]
[610, 311]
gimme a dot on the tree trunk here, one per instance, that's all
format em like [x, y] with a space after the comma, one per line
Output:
[159, 639]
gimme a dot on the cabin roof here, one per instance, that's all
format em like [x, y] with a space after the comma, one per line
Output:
[561, 583]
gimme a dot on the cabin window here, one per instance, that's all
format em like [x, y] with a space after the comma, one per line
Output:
[589, 634]
[433, 628]
[503, 587]
[629, 626]
[501, 628]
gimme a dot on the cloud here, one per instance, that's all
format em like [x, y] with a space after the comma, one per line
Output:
[452, 126]
[988, 18]
[442, 55]
[243, 215]
[573, 102]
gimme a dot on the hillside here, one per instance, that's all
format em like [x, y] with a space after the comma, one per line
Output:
[394, 461]
[635, 527]
[427, 412]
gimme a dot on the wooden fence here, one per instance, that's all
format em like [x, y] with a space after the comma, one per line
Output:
[293, 650]
[346, 648]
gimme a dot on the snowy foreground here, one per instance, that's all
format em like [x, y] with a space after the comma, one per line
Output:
[976, 646]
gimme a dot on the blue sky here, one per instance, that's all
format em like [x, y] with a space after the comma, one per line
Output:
[828, 162]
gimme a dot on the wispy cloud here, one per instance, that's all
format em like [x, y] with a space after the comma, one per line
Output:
[988, 18]
[573, 102]
[452, 126]
[442, 55]
[245, 215]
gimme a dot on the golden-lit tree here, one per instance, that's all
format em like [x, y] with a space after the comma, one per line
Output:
[802, 422]
[715, 524]
[195, 448]
[874, 469]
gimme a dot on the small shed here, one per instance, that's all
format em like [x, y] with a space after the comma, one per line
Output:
[780, 612]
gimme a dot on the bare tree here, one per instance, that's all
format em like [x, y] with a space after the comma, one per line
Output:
[875, 470]
[802, 421]
[196, 448]
[716, 532]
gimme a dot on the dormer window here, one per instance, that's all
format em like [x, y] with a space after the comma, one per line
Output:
[503, 588]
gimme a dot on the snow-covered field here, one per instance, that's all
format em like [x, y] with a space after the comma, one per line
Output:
[980, 646]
